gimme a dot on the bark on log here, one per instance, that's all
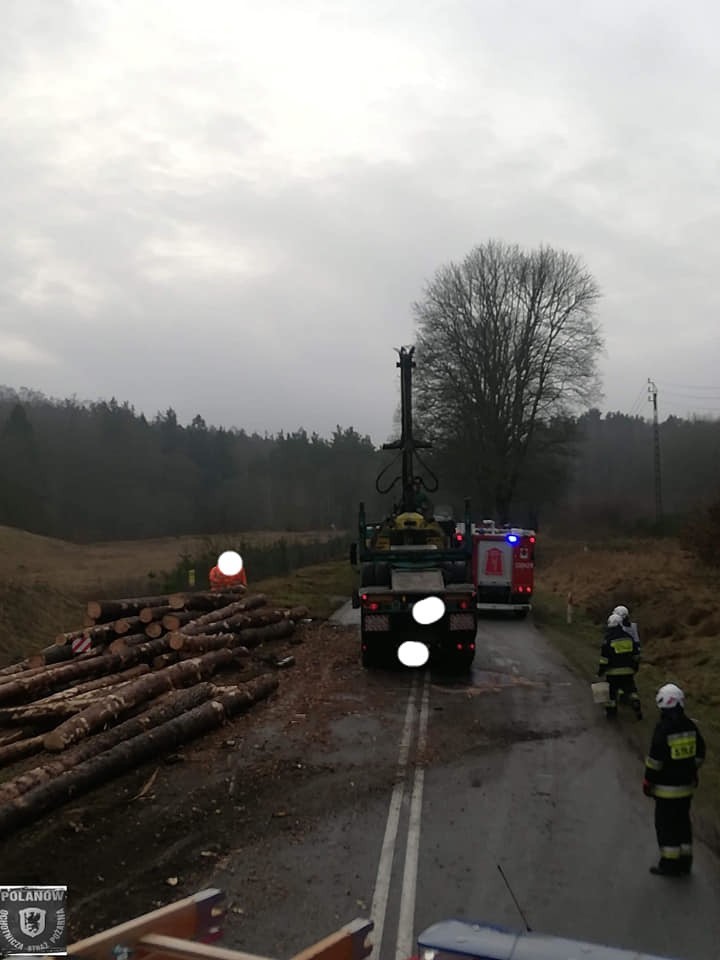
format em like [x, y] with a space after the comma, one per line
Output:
[203, 642]
[33, 672]
[105, 610]
[296, 613]
[148, 614]
[233, 624]
[224, 613]
[131, 753]
[167, 707]
[14, 668]
[20, 749]
[98, 684]
[165, 659]
[11, 737]
[254, 636]
[205, 600]
[146, 688]
[56, 655]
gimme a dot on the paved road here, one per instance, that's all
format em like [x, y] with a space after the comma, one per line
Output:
[444, 782]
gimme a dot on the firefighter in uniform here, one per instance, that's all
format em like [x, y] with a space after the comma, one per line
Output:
[619, 662]
[671, 777]
[623, 612]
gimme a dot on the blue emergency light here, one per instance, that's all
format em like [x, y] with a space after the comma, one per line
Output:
[512, 538]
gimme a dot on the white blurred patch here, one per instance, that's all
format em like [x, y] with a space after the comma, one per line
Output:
[230, 563]
[429, 610]
[413, 654]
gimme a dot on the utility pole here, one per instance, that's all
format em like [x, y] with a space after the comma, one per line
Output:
[652, 397]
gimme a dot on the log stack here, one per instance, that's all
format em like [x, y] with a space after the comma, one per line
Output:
[142, 677]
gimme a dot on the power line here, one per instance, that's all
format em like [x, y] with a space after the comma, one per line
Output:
[699, 386]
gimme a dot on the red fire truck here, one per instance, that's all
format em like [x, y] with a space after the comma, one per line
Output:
[503, 564]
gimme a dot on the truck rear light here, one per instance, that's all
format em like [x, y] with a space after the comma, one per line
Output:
[373, 606]
[463, 604]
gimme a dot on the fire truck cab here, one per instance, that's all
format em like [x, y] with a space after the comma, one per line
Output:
[503, 564]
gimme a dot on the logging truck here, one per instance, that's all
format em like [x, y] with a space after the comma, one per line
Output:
[410, 557]
[189, 930]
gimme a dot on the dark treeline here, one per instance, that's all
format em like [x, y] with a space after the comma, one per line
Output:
[101, 471]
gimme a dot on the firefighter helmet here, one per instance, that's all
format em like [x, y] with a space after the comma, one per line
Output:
[622, 612]
[614, 620]
[670, 696]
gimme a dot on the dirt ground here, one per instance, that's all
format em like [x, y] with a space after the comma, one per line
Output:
[154, 835]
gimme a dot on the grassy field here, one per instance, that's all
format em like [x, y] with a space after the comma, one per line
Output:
[676, 606]
[83, 568]
[46, 583]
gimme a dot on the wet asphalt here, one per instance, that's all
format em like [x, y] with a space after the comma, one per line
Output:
[419, 803]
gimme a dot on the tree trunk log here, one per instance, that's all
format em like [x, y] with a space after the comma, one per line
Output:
[66, 703]
[206, 600]
[165, 659]
[14, 668]
[296, 613]
[167, 707]
[127, 625]
[20, 749]
[203, 642]
[146, 688]
[131, 753]
[254, 636]
[68, 674]
[105, 610]
[224, 613]
[149, 614]
[99, 683]
[154, 630]
[177, 619]
[123, 644]
[8, 738]
[98, 635]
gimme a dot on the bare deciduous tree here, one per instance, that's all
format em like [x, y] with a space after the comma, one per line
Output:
[507, 341]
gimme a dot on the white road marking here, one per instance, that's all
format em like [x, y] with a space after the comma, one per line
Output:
[387, 854]
[406, 922]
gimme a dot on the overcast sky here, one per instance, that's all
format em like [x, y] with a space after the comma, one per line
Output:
[228, 207]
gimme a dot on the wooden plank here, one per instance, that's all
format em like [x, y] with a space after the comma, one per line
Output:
[162, 946]
[195, 917]
[348, 943]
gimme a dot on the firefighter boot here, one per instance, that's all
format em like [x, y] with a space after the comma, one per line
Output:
[635, 701]
[667, 868]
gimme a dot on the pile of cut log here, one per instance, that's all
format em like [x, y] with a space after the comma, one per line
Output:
[138, 680]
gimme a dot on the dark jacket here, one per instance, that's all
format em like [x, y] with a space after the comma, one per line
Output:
[619, 655]
[676, 752]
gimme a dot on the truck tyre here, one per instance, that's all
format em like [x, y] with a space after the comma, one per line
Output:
[520, 614]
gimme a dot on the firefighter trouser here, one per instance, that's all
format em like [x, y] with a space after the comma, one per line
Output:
[622, 684]
[674, 834]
